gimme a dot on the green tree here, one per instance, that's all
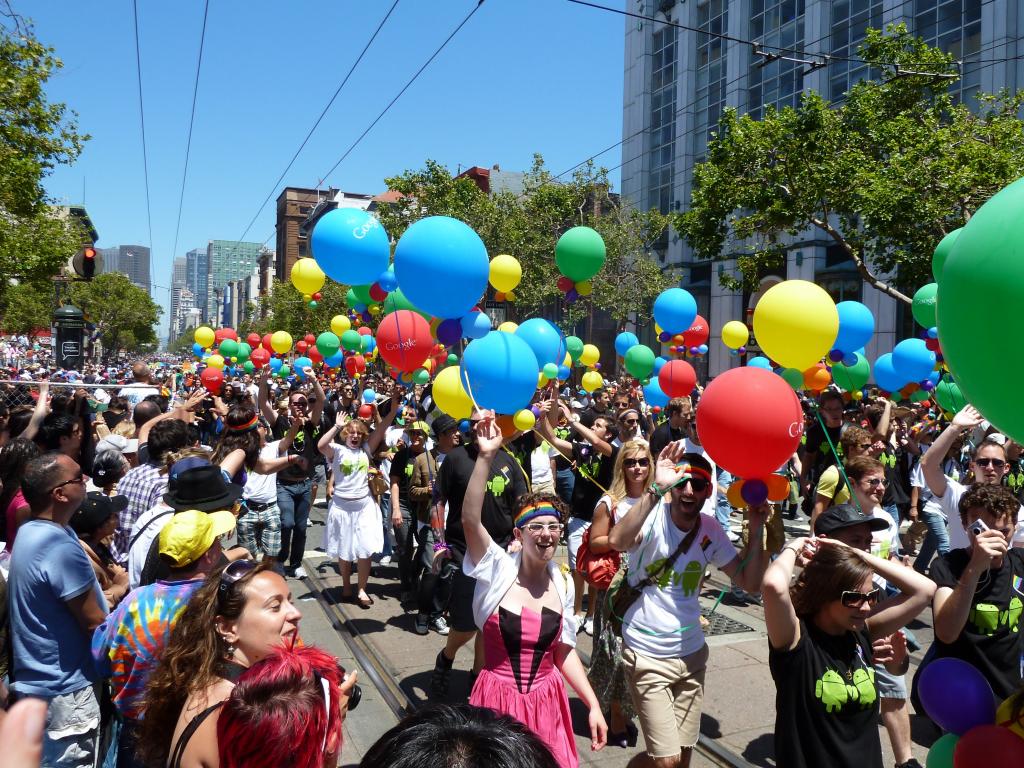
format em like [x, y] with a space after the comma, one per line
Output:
[27, 307]
[286, 310]
[183, 344]
[125, 316]
[884, 175]
[35, 137]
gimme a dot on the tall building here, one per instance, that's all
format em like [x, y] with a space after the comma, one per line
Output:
[178, 272]
[229, 260]
[134, 262]
[197, 277]
[678, 81]
[296, 206]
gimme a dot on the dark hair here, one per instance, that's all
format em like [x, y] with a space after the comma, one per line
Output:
[830, 394]
[610, 424]
[832, 571]
[54, 427]
[38, 480]
[109, 467]
[145, 411]
[675, 405]
[169, 435]
[19, 420]
[458, 736]
[230, 440]
[862, 466]
[997, 500]
[13, 458]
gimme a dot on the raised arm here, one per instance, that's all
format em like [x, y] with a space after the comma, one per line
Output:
[951, 607]
[605, 449]
[374, 440]
[547, 431]
[39, 413]
[626, 533]
[488, 440]
[779, 615]
[321, 398]
[263, 397]
[931, 462]
[324, 444]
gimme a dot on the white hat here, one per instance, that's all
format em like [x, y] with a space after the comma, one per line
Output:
[117, 443]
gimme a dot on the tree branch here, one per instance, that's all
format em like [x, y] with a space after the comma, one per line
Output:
[869, 277]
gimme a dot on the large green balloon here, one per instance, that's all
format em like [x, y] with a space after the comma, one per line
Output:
[949, 396]
[850, 378]
[579, 253]
[574, 346]
[924, 305]
[358, 294]
[793, 377]
[942, 251]
[639, 361]
[244, 350]
[327, 343]
[981, 285]
[228, 349]
[351, 340]
[397, 300]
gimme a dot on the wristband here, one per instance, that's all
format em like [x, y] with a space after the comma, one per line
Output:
[655, 490]
[440, 545]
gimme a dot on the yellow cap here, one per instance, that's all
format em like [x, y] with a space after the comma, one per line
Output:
[190, 534]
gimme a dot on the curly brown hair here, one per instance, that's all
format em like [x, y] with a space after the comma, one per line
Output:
[189, 661]
[998, 500]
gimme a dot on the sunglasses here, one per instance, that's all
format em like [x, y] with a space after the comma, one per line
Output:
[852, 599]
[876, 482]
[697, 483]
[864, 446]
[997, 463]
[231, 575]
[642, 462]
[299, 403]
[631, 421]
[538, 528]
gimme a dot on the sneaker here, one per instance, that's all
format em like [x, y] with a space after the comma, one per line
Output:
[439, 625]
[386, 560]
[588, 625]
[439, 677]
[422, 627]
[733, 536]
[911, 763]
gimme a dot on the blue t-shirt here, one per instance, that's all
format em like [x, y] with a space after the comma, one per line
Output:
[51, 650]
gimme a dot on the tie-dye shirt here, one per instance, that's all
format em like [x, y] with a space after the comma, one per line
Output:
[127, 645]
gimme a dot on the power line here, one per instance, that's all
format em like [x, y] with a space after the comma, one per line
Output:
[317, 123]
[191, 122]
[142, 121]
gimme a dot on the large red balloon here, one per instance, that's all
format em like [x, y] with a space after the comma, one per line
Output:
[404, 339]
[697, 333]
[986, 746]
[259, 357]
[677, 378]
[749, 421]
[309, 338]
[315, 355]
[212, 379]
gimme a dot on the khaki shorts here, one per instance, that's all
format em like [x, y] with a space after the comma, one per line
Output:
[667, 695]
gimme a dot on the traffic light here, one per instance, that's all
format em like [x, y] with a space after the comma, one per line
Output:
[84, 262]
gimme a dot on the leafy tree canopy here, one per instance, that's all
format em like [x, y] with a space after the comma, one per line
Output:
[123, 313]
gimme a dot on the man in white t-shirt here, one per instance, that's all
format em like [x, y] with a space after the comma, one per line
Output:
[664, 654]
[142, 386]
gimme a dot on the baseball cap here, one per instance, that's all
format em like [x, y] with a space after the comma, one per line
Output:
[189, 535]
[96, 509]
[418, 426]
[845, 516]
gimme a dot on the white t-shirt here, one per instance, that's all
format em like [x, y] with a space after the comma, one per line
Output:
[137, 392]
[350, 469]
[139, 550]
[664, 622]
[950, 503]
[540, 464]
[262, 489]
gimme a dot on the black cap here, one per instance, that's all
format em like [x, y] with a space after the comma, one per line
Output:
[442, 424]
[845, 516]
[95, 510]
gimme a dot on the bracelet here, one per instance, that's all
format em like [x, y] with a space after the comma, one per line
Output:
[440, 545]
[792, 549]
[655, 490]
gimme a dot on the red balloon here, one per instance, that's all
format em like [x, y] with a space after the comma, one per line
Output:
[253, 339]
[749, 421]
[301, 347]
[565, 284]
[698, 333]
[212, 379]
[985, 746]
[677, 378]
[355, 364]
[310, 339]
[314, 355]
[404, 339]
[259, 357]
[317, 296]
[220, 334]
[377, 293]
[365, 411]
[266, 343]
[364, 330]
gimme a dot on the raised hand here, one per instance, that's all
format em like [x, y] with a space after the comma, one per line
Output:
[667, 471]
[488, 435]
[968, 418]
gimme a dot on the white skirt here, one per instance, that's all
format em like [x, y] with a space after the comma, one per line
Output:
[354, 528]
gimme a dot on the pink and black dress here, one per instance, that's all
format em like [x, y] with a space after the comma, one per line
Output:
[519, 677]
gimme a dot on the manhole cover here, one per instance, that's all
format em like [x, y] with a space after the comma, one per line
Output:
[722, 625]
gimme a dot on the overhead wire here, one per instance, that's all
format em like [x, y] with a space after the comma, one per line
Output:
[142, 121]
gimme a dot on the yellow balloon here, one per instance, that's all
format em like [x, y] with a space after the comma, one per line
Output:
[281, 342]
[1004, 717]
[215, 361]
[590, 355]
[449, 394]
[204, 336]
[506, 272]
[374, 309]
[567, 362]
[524, 420]
[434, 323]
[796, 323]
[735, 334]
[340, 324]
[591, 380]
[584, 287]
[307, 277]
[508, 327]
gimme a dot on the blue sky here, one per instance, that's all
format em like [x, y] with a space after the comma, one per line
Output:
[523, 76]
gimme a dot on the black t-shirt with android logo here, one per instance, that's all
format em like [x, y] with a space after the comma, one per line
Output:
[591, 465]
[826, 701]
[991, 640]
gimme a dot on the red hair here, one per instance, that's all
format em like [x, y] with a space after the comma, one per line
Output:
[276, 714]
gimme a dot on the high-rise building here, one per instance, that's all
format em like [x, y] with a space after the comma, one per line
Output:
[197, 277]
[133, 261]
[678, 81]
[178, 272]
[230, 260]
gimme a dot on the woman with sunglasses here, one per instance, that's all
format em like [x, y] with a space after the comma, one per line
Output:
[523, 605]
[630, 478]
[820, 634]
[238, 617]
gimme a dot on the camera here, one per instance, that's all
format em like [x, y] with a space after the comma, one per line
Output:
[977, 527]
[355, 695]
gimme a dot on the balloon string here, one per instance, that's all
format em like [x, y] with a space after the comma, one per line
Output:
[839, 462]
[573, 462]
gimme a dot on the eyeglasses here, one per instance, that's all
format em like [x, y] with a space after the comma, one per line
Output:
[233, 573]
[875, 482]
[641, 462]
[299, 403]
[864, 446]
[995, 463]
[77, 480]
[852, 599]
[538, 528]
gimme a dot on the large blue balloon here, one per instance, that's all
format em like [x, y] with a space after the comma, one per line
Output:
[654, 395]
[442, 266]
[856, 326]
[913, 360]
[197, 349]
[350, 246]
[275, 364]
[675, 309]
[545, 340]
[659, 363]
[624, 341]
[500, 372]
[886, 376]
[335, 360]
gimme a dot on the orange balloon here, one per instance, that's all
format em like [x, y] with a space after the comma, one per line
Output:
[505, 424]
[778, 487]
[817, 377]
[734, 495]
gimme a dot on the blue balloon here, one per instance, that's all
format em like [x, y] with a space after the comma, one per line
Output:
[624, 341]
[500, 372]
[335, 360]
[369, 395]
[475, 325]
[299, 363]
[368, 344]
[654, 395]
[387, 280]
[442, 266]
[197, 349]
[760, 362]
[659, 363]
[886, 376]
[913, 360]
[275, 364]
[856, 326]
[350, 246]
[545, 340]
[563, 372]
[703, 349]
[675, 309]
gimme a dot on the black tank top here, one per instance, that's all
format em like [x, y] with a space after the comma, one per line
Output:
[227, 670]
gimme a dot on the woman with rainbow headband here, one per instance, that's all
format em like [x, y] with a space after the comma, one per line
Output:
[523, 605]
[238, 450]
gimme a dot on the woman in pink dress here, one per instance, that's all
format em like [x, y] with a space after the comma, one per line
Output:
[523, 604]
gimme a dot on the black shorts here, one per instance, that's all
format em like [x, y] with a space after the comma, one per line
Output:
[460, 607]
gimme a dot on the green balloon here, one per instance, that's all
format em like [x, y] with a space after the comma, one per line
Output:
[350, 298]
[793, 377]
[579, 253]
[359, 294]
[850, 378]
[421, 376]
[397, 300]
[228, 348]
[244, 350]
[352, 340]
[365, 340]
[574, 346]
[949, 396]
[327, 343]
[984, 277]
[248, 366]
[639, 361]
[919, 395]
[941, 753]
[453, 359]
[284, 372]
[551, 371]
[942, 251]
[923, 307]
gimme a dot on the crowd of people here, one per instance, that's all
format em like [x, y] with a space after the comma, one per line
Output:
[151, 527]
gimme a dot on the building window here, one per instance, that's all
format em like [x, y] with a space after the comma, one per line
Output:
[663, 118]
[955, 27]
[302, 249]
[850, 22]
[778, 83]
[713, 18]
